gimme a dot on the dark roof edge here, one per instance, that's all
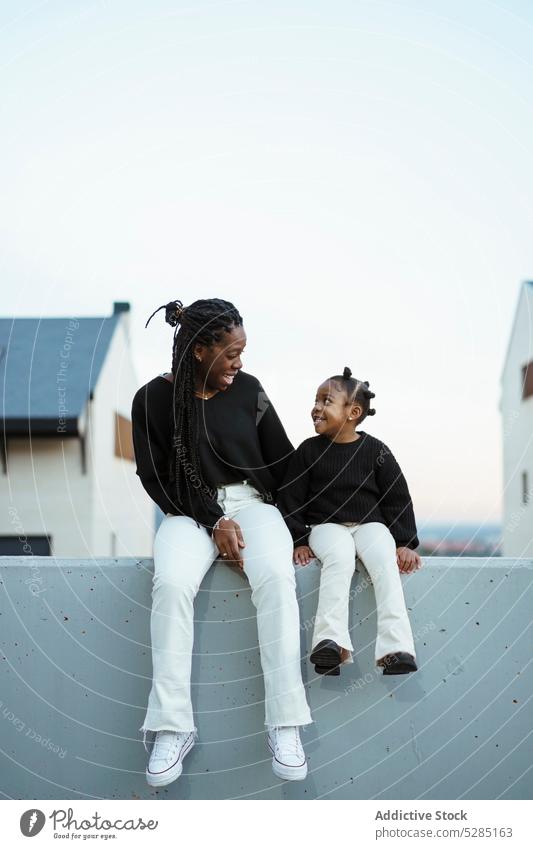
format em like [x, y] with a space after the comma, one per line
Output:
[52, 426]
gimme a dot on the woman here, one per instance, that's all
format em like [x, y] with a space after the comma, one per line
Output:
[211, 451]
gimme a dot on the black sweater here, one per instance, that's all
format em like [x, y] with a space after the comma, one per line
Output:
[241, 437]
[357, 481]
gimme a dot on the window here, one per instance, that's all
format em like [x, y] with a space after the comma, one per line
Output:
[123, 438]
[527, 380]
[525, 488]
[23, 546]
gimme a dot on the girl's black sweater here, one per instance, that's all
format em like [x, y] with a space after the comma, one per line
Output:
[358, 481]
[241, 437]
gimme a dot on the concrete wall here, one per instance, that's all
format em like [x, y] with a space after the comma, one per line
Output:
[76, 671]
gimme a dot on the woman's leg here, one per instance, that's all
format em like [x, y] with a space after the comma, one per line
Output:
[269, 568]
[334, 546]
[376, 548]
[183, 552]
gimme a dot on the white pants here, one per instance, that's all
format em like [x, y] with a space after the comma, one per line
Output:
[337, 546]
[183, 553]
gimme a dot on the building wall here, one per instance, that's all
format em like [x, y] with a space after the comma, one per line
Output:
[123, 514]
[44, 493]
[517, 431]
[103, 512]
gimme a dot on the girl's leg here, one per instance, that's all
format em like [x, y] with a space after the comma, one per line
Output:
[269, 568]
[334, 546]
[183, 552]
[376, 548]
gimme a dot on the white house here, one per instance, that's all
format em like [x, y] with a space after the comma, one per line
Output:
[516, 407]
[69, 486]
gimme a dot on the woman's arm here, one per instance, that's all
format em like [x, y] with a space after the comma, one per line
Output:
[151, 457]
[151, 445]
[395, 501]
[276, 447]
[151, 448]
[293, 497]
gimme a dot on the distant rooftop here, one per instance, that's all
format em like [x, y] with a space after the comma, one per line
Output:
[49, 368]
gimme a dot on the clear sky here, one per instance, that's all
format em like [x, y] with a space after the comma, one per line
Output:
[355, 176]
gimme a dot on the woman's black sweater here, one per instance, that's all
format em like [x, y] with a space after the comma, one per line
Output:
[357, 481]
[241, 437]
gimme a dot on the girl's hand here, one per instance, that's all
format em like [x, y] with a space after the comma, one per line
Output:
[229, 540]
[302, 555]
[407, 559]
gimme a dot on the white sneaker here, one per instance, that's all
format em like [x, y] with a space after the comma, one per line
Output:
[289, 761]
[166, 760]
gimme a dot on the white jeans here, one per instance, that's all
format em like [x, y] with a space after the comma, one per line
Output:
[183, 553]
[337, 546]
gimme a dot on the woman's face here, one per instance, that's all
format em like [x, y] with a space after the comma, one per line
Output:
[220, 362]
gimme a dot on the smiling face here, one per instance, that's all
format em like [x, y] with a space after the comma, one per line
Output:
[331, 412]
[220, 362]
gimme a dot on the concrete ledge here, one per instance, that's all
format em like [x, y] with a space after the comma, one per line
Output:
[76, 672]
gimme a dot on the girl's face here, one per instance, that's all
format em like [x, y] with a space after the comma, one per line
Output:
[331, 411]
[220, 362]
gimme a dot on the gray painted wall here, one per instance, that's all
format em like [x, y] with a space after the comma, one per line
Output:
[76, 670]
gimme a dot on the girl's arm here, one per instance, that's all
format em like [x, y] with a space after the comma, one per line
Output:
[276, 447]
[395, 501]
[293, 497]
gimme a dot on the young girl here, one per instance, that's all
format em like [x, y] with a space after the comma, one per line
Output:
[344, 495]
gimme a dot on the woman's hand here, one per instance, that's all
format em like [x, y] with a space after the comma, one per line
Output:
[229, 540]
[407, 559]
[302, 555]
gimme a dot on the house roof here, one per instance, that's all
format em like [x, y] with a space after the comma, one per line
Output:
[49, 368]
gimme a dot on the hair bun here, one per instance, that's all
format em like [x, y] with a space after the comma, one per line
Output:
[347, 373]
[371, 412]
[173, 313]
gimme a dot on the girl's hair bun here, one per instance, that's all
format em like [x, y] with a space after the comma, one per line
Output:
[357, 392]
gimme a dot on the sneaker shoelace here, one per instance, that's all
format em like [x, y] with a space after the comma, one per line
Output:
[287, 737]
[162, 739]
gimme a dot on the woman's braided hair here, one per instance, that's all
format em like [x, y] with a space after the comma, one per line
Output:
[205, 322]
[357, 392]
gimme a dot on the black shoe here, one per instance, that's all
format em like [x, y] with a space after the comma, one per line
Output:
[398, 663]
[325, 670]
[327, 657]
